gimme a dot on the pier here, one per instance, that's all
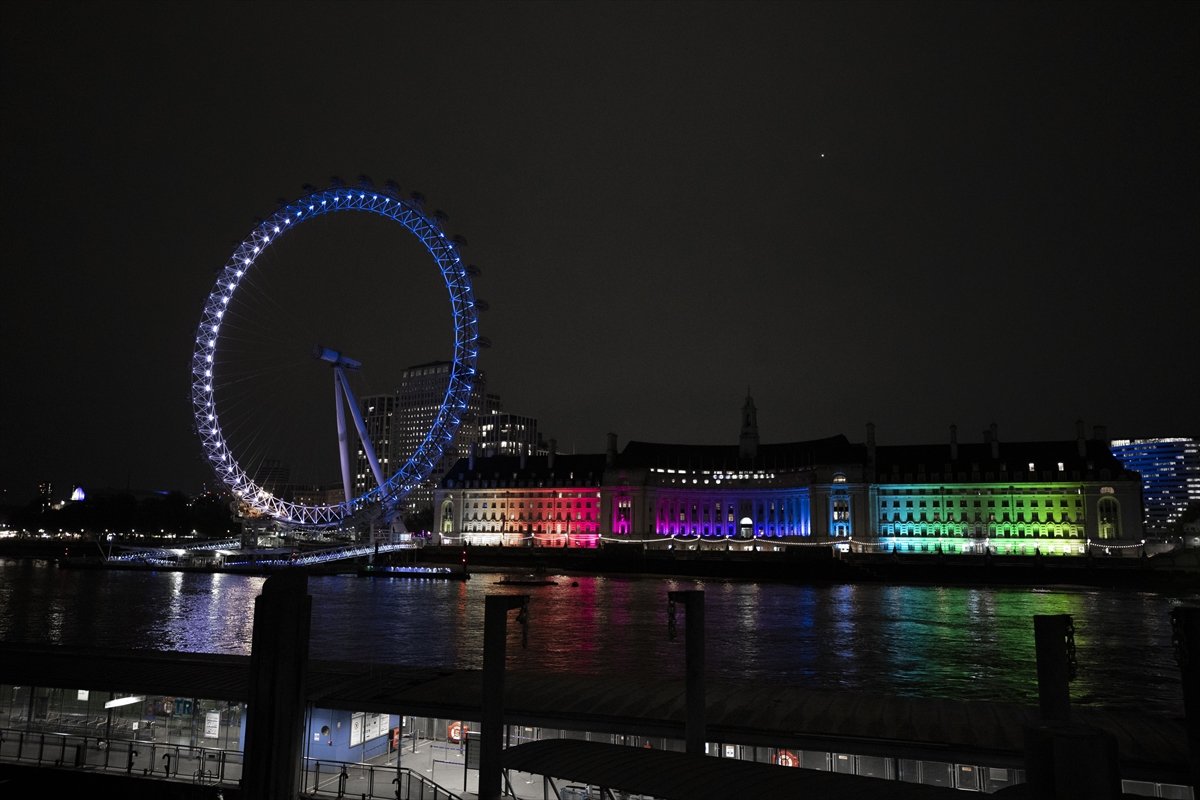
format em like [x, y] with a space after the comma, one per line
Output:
[758, 720]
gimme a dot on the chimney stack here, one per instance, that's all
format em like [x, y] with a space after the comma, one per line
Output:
[871, 447]
[610, 455]
[550, 454]
[954, 443]
[994, 438]
[1080, 443]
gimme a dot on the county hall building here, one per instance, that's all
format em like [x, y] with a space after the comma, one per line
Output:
[1053, 498]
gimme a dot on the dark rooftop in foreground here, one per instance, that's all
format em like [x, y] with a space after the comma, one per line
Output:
[757, 713]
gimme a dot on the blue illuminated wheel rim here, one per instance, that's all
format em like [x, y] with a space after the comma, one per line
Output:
[444, 250]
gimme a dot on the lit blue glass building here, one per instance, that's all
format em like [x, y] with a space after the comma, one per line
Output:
[1170, 470]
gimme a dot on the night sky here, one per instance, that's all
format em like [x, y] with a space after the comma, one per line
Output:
[912, 214]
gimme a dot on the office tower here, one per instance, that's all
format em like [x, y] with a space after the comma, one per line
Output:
[422, 390]
[1170, 470]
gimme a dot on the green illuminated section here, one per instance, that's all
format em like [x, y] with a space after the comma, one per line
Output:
[1000, 546]
[961, 516]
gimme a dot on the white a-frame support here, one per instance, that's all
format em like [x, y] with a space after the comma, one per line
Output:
[342, 387]
[342, 392]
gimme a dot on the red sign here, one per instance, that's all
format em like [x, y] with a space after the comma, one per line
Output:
[786, 758]
[455, 731]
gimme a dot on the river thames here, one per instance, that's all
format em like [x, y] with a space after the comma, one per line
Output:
[921, 641]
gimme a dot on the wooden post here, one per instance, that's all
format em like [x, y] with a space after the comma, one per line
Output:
[1070, 761]
[1050, 636]
[491, 738]
[1185, 627]
[694, 733]
[1065, 760]
[278, 677]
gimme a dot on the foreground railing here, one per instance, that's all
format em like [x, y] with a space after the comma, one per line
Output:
[132, 757]
[341, 779]
[209, 766]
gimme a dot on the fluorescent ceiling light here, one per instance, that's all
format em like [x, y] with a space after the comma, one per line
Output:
[124, 701]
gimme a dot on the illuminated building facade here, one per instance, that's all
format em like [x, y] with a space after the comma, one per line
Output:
[1011, 498]
[1022, 498]
[544, 501]
[1170, 471]
[800, 492]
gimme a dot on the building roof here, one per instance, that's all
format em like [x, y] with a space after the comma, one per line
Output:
[1096, 462]
[559, 470]
[972, 461]
[789, 455]
[668, 775]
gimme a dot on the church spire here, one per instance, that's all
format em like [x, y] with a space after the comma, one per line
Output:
[748, 441]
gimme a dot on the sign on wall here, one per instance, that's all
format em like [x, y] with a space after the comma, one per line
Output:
[364, 727]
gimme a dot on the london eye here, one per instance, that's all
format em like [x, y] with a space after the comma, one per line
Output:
[232, 423]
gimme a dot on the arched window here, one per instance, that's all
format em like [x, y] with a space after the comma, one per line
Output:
[1108, 517]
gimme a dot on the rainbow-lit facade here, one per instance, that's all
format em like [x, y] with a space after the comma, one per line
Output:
[1068, 497]
[1018, 498]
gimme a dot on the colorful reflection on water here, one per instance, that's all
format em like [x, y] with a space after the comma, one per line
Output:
[965, 643]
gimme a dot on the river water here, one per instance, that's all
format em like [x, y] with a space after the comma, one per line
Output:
[961, 643]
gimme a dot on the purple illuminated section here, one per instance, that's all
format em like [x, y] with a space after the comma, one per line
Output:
[694, 515]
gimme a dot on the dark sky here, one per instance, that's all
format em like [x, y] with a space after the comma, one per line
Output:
[912, 214]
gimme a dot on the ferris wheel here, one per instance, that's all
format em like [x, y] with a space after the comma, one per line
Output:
[391, 481]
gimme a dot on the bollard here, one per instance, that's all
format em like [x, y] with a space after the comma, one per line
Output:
[1054, 640]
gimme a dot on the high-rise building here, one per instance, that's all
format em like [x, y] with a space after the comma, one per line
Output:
[378, 411]
[422, 390]
[1170, 470]
[505, 434]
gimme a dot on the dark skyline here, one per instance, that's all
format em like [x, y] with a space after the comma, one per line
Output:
[911, 214]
